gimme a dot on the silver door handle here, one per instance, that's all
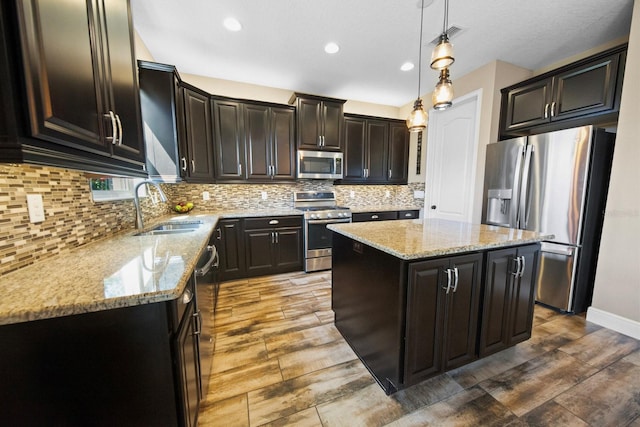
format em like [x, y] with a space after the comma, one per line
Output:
[553, 109]
[522, 221]
[193, 165]
[114, 127]
[273, 237]
[455, 279]
[517, 272]
[448, 288]
[277, 237]
[240, 169]
[390, 173]
[523, 265]
[323, 141]
[197, 316]
[374, 217]
[546, 111]
[119, 123]
[210, 262]
[184, 164]
[319, 140]
[274, 222]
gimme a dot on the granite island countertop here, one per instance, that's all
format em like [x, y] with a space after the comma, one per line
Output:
[119, 271]
[424, 238]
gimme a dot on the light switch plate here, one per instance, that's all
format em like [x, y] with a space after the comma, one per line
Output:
[36, 207]
[206, 195]
[418, 194]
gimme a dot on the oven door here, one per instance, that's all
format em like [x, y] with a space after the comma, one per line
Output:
[317, 237]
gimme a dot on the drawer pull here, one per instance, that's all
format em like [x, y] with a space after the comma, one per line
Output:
[274, 222]
[408, 214]
[374, 217]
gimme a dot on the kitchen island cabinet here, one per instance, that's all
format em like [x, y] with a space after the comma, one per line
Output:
[406, 294]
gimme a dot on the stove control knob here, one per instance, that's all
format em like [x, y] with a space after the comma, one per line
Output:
[314, 216]
[339, 214]
[329, 215]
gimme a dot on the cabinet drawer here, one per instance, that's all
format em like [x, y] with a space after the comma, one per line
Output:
[374, 216]
[272, 222]
[409, 214]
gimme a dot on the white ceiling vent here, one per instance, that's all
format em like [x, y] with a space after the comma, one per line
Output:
[452, 32]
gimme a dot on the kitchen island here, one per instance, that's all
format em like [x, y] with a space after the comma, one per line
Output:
[414, 298]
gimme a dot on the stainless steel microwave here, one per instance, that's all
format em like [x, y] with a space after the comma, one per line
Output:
[319, 164]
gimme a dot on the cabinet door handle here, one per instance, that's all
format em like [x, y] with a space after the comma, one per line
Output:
[219, 234]
[114, 127]
[274, 222]
[448, 288]
[184, 164]
[390, 173]
[193, 165]
[187, 296]
[240, 169]
[273, 238]
[455, 279]
[319, 140]
[277, 236]
[197, 317]
[517, 261]
[523, 264]
[546, 111]
[323, 141]
[119, 123]
[553, 109]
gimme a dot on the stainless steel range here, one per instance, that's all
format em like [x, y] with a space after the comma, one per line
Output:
[320, 208]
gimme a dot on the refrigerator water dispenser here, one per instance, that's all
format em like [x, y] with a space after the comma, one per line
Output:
[498, 206]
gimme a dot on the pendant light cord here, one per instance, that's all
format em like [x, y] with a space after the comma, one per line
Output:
[420, 48]
[446, 17]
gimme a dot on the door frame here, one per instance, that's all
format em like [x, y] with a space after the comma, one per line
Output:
[431, 134]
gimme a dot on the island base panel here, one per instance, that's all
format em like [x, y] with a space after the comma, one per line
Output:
[368, 299]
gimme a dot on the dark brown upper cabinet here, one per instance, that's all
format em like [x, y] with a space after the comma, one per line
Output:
[69, 87]
[228, 122]
[320, 122]
[163, 121]
[376, 150]
[198, 154]
[584, 92]
[270, 142]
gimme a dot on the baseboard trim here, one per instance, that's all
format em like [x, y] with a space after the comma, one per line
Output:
[614, 322]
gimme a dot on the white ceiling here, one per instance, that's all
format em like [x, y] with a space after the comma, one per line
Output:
[282, 41]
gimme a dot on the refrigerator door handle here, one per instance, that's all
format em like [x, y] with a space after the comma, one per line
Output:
[513, 218]
[524, 188]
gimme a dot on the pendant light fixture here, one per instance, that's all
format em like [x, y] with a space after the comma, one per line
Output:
[443, 94]
[442, 55]
[417, 121]
[441, 59]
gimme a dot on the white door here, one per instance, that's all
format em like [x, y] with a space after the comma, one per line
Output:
[452, 148]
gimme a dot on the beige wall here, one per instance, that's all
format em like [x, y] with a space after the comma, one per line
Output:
[617, 286]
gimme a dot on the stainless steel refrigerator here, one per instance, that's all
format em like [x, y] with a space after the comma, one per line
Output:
[557, 183]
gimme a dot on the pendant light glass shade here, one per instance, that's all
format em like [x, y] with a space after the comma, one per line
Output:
[442, 55]
[417, 121]
[443, 93]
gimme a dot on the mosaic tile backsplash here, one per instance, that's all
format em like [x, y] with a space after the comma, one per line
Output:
[72, 219]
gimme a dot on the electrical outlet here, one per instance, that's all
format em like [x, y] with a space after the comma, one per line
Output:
[352, 194]
[387, 193]
[264, 195]
[36, 207]
[206, 195]
[418, 194]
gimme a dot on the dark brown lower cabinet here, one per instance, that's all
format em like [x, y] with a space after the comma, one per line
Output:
[229, 241]
[507, 315]
[273, 245]
[130, 366]
[442, 315]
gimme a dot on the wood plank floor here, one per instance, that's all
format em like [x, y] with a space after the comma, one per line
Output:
[280, 361]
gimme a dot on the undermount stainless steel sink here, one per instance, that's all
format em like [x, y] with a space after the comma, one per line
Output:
[172, 228]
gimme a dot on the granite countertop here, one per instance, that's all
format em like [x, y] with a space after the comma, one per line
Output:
[424, 238]
[119, 271]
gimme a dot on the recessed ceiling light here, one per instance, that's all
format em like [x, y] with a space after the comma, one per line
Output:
[407, 66]
[232, 24]
[331, 47]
